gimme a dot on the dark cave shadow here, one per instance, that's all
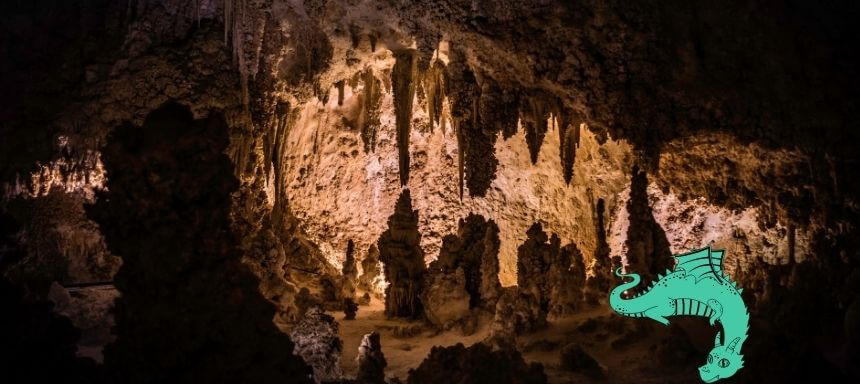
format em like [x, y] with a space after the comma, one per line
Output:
[189, 309]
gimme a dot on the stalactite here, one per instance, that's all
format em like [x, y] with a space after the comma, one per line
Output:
[534, 113]
[434, 88]
[476, 135]
[355, 35]
[339, 86]
[403, 81]
[367, 122]
[568, 132]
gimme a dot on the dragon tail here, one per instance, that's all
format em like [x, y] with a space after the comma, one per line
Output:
[615, 299]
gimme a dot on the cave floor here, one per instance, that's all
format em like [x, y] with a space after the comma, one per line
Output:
[618, 344]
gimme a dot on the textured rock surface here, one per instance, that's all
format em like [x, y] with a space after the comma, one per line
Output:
[316, 341]
[545, 271]
[444, 297]
[517, 312]
[341, 193]
[474, 251]
[371, 361]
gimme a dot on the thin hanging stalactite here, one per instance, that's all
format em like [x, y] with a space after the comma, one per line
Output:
[403, 82]
[434, 87]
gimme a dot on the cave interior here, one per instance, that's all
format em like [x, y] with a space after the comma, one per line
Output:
[400, 191]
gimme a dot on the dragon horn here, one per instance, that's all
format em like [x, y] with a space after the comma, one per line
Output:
[733, 344]
[717, 340]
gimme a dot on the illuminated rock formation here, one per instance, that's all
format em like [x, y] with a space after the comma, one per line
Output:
[371, 360]
[403, 260]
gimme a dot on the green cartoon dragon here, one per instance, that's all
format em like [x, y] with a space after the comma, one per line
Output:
[695, 287]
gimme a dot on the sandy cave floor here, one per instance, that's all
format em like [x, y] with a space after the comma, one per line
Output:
[616, 343]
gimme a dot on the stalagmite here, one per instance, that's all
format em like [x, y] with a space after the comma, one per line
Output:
[371, 361]
[553, 274]
[403, 260]
[475, 249]
[599, 283]
[648, 248]
[403, 81]
[350, 272]
[370, 276]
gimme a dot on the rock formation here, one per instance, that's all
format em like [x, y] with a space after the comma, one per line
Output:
[403, 260]
[545, 271]
[517, 312]
[647, 247]
[350, 272]
[600, 282]
[371, 361]
[349, 308]
[168, 194]
[741, 114]
[475, 249]
[475, 364]
[371, 275]
[444, 297]
[403, 79]
[317, 343]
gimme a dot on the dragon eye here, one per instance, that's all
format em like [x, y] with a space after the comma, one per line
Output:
[724, 363]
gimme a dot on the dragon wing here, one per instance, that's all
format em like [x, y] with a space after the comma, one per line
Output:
[701, 263]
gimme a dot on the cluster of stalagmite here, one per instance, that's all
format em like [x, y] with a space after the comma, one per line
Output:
[553, 274]
[465, 275]
[463, 281]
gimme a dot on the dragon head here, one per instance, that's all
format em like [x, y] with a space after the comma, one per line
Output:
[723, 361]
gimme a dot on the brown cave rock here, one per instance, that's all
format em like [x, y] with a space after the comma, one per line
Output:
[317, 343]
[403, 79]
[599, 284]
[475, 364]
[350, 272]
[168, 193]
[475, 249]
[544, 270]
[402, 260]
[371, 360]
[648, 249]
[370, 270]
